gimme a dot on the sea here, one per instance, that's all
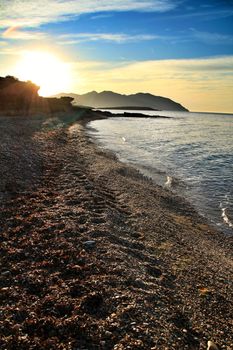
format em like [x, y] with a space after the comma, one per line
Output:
[188, 153]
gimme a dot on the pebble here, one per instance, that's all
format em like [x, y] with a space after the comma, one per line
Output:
[212, 346]
[108, 334]
[89, 244]
[6, 273]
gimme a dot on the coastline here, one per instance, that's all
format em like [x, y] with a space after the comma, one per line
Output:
[97, 256]
[204, 187]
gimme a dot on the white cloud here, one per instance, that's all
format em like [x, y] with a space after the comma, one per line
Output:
[119, 38]
[31, 13]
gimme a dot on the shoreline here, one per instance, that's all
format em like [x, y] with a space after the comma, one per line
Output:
[175, 184]
[96, 256]
[145, 175]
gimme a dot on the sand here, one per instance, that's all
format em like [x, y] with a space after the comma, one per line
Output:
[95, 256]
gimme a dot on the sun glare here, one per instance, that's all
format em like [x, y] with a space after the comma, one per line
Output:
[45, 70]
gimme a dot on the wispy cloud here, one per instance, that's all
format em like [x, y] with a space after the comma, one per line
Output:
[206, 14]
[15, 33]
[192, 35]
[175, 68]
[119, 38]
[7, 51]
[29, 13]
[211, 38]
[101, 16]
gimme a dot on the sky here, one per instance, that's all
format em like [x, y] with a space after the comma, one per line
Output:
[180, 49]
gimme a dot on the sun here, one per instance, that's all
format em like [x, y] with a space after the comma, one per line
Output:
[45, 70]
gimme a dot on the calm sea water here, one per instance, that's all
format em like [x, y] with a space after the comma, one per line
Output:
[191, 153]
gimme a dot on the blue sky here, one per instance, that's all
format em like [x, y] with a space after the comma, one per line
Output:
[103, 36]
[186, 31]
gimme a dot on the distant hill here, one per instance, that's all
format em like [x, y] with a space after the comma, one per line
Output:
[109, 99]
[132, 108]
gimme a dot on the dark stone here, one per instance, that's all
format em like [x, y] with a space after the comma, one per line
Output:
[92, 303]
[154, 271]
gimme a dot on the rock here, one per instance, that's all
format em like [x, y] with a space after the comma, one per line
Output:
[6, 273]
[212, 346]
[154, 271]
[108, 334]
[92, 303]
[89, 244]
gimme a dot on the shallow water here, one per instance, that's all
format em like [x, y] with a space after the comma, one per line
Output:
[192, 154]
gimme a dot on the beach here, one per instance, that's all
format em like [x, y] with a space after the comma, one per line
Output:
[96, 256]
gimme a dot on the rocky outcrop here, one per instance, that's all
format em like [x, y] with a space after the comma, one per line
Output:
[20, 97]
[17, 95]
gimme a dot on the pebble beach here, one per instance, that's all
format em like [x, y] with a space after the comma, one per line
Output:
[96, 256]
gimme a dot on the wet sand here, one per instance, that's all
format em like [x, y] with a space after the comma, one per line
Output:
[95, 256]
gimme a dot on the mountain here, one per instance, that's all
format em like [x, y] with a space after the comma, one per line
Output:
[109, 99]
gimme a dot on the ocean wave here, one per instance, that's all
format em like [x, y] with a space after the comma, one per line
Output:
[226, 218]
[168, 183]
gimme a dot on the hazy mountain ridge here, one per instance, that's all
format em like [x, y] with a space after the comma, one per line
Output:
[111, 99]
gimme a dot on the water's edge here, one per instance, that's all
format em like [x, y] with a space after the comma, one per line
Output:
[163, 181]
[166, 180]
